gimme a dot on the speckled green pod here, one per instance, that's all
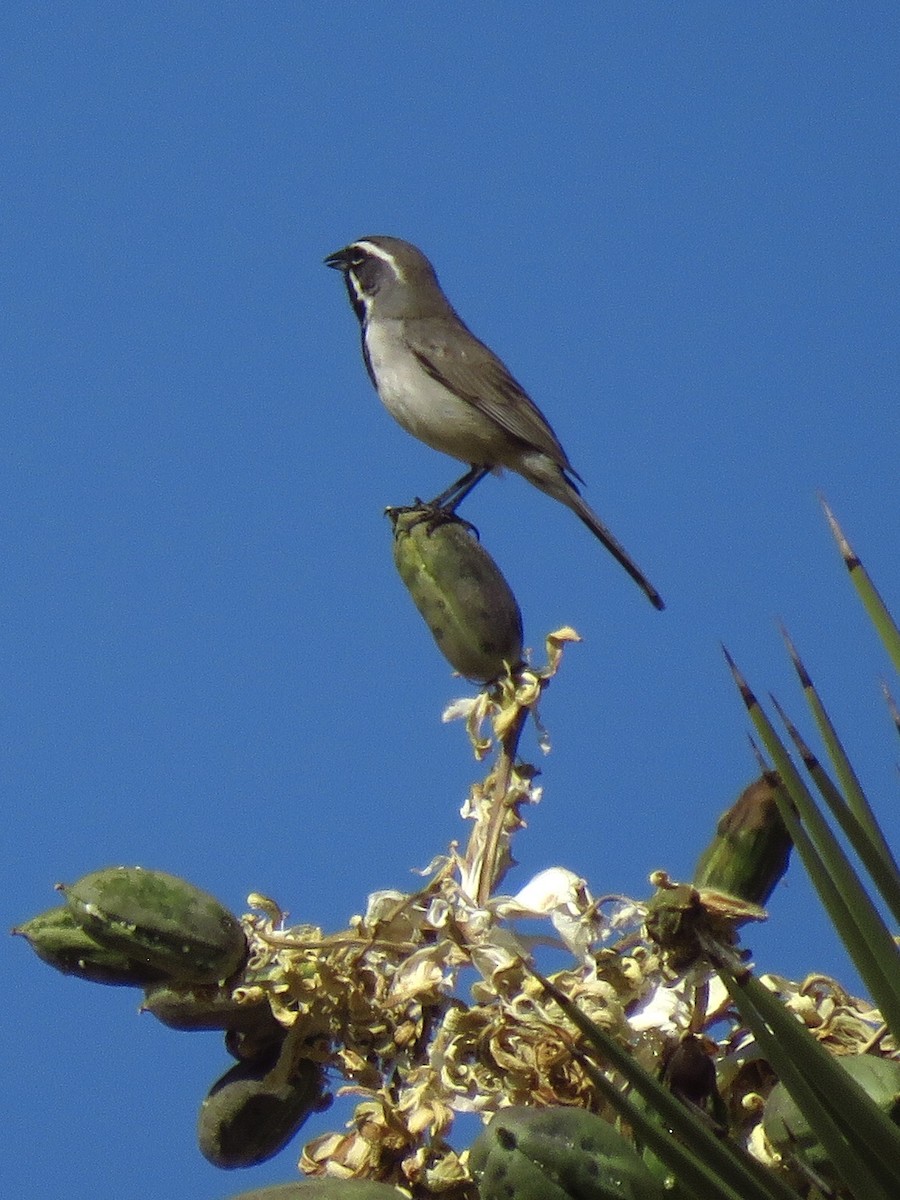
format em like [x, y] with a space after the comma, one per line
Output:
[788, 1130]
[324, 1189]
[460, 592]
[250, 1114]
[192, 1007]
[161, 920]
[751, 849]
[57, 938]
[558, 1154]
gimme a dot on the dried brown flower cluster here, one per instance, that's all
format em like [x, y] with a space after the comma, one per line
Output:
[424, 1008]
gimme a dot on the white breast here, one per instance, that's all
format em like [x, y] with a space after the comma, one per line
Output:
[424, 407]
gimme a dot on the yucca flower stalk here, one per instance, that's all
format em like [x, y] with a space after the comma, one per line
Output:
[643, 1067]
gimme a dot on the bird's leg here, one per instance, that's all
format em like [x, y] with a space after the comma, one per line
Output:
[450, 499]
[422, 511]
[442, 508]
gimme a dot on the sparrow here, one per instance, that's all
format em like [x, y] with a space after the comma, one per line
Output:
[449, 390]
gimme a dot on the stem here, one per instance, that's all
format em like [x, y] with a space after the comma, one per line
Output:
[499, 805]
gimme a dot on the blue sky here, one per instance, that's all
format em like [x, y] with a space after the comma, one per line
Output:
[677, 225]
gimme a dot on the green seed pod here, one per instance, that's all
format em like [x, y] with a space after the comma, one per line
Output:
[190, 1008]
[247, 1045]
[250, 1113]
[57, 938]
[788, 1130]
[325, 1189]
[751, 849]
[690, 1074]
[459, 590]
[558, 1154]
[160, 919]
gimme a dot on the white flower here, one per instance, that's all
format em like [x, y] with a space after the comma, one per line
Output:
[667, 1008]
[562, 896]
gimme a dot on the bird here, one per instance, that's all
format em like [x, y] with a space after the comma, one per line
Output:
[449, 390]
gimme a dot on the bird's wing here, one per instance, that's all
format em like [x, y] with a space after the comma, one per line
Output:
[475, 374]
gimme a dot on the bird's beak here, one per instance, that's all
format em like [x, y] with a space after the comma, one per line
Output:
[340, 260]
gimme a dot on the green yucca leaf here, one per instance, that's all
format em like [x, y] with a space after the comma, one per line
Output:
[872, 602]
[861, 1141]
[892, 706]
[710, 1167]
[788, 1131]
[694, 1177]
[880, 864]
[855, 917]
[848, 904]
[857, 923]
[855, 797]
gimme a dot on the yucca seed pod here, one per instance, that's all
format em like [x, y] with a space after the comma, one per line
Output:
[247, 1045]
[788, 1129]
[190, 1008]
[58, 940]
[751, 848]
[558, 1154]
[159, 919]
[689, 1072]
[324, 1189]
[251, 1113]
[460, 592]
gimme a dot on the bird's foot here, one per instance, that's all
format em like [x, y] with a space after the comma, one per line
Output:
[433, 514]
